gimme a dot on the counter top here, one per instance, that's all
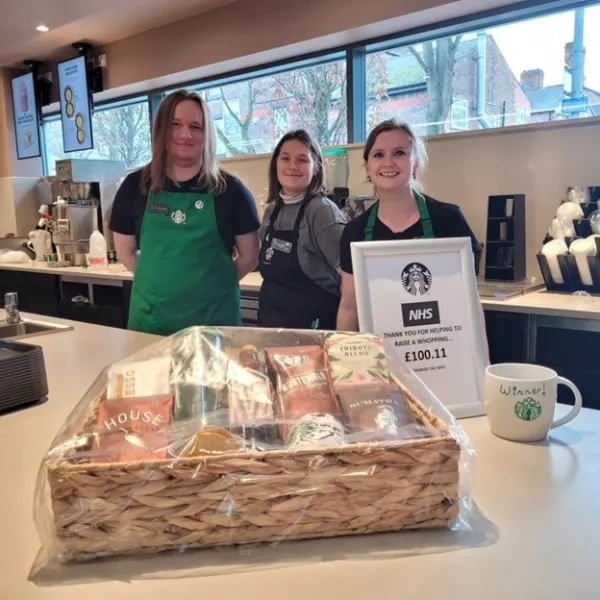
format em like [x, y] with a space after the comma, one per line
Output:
[114, 272]
[540, 302]
[543, 498]
[551, 304]
[252, 281]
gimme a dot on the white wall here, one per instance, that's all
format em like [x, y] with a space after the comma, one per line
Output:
[540, 161]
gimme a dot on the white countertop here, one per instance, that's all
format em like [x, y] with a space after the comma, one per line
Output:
[540, 302]
[551, 304]
[115, 272]
[543, 498]
[118, 272]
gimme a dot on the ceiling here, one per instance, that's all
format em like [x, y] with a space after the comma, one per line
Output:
[96, 21]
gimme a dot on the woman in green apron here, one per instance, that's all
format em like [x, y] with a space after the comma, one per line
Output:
[394, 157]
[188, 218]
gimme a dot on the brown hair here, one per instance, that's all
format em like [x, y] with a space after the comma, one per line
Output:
[316, 186]
[154, 175]
[418, 150]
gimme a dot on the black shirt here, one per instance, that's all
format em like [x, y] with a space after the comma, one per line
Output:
[235, 209]
[447, 221]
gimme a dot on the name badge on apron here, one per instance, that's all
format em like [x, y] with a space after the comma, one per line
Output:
[281, 245]
[158, 209]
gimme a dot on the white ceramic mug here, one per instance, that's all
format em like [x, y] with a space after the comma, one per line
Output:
[520, 401]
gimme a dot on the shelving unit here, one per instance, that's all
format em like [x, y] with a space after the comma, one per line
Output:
[505, 238]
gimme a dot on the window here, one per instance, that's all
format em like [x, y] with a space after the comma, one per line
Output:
[522, 116]
[252, 114]
[121, 132]
[521, 72]
[459, 118]
[531, 64]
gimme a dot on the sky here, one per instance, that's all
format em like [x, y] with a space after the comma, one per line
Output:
[539, 44]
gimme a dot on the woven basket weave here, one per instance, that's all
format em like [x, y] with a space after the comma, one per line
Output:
[146, 507]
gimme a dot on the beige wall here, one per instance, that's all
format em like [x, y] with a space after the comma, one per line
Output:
[6, 127]
[240, 29]
[540, 161]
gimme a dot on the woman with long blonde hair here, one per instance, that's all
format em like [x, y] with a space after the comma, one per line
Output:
[187, 218]
[394, 159]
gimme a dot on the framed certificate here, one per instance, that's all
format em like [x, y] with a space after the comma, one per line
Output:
[421, 297]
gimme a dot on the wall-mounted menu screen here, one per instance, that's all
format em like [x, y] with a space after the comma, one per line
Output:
[27, 128]
[75, 107]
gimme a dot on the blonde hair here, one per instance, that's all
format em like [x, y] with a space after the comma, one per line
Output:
[154, 175]
[417, 144]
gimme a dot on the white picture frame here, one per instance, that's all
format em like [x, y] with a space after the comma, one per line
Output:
[379, 267]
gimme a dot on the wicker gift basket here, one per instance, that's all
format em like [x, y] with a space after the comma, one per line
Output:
[237, 436]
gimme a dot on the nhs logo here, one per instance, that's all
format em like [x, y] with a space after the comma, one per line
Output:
[420, 313]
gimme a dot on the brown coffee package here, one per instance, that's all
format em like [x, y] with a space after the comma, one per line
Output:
[379, 412]
[132, 429]
[303, 384]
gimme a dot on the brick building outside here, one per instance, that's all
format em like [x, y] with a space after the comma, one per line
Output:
[503, 103]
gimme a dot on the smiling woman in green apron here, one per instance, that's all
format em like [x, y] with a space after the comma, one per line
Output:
[187, 217]
[394, 157]
[300, 235]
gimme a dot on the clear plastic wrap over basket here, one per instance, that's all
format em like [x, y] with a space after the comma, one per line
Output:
[218, 437]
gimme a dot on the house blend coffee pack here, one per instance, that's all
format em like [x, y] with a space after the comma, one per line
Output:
[132, 429]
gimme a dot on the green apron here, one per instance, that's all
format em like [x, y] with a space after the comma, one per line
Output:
[184, 275]
[423, 215]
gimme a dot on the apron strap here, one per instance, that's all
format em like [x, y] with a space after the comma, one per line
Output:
[424, 218]
[275, 213]
[371, 222]
[296, 229]
[272, 220]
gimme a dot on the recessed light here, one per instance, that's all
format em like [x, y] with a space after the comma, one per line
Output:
[42, 28]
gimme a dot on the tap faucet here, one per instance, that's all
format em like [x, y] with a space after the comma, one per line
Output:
[11, 307]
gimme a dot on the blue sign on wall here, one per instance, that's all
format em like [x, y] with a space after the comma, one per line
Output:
[575, 105]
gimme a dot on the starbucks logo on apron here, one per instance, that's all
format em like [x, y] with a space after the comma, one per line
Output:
[199, 204]
[178, 217]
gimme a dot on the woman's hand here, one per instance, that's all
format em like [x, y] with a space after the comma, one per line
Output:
[247, 253]
[347, 319]
[126, 247]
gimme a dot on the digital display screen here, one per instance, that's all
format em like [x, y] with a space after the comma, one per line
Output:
[27, 126]
[75, 106]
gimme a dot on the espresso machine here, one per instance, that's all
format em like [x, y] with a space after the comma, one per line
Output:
[85, 194]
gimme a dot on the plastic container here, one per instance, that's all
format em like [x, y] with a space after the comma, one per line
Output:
[98, 250]
[336, 168]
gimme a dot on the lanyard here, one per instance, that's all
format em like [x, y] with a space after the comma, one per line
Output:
[424, 218]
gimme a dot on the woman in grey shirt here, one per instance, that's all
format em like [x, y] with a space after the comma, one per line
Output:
[300, 236]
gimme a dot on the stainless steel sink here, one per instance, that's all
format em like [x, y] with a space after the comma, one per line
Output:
[28, 328]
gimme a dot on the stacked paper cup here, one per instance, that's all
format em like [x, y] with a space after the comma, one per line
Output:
[581, 249]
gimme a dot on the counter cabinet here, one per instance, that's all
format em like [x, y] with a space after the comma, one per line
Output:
[570, 346]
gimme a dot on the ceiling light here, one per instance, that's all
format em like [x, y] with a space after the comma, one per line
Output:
[42, 28]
